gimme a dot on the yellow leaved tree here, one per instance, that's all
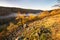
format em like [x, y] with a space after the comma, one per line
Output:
[43, 14]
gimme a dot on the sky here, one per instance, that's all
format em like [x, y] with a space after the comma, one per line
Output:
[29, 4]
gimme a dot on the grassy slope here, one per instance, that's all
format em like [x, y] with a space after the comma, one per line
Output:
[46, 28]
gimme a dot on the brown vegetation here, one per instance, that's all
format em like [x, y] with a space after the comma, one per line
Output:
[44, 26]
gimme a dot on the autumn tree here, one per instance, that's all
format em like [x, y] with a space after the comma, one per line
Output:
[31, 16]
[55, 11]
[43, 14]
[11, 27]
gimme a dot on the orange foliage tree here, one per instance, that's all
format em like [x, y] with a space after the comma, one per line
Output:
[43, 14]
[31, 16]
[54, 12]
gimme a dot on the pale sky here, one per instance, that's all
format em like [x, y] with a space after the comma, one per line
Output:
[29, 4]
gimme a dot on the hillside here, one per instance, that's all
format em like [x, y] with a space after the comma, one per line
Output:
[44, 26]
[48, 28]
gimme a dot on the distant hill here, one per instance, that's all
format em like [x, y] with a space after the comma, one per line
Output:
[9, 10]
